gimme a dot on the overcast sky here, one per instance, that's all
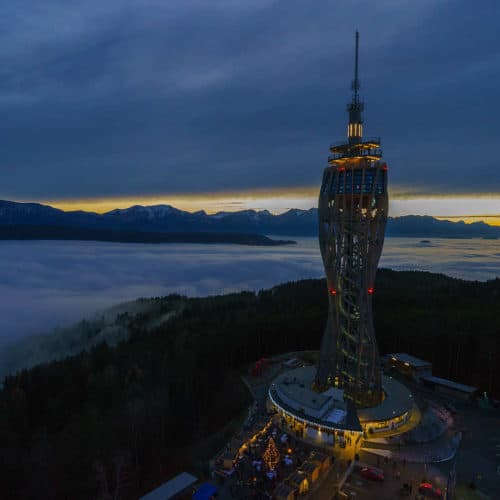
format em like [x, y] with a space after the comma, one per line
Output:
[136, 99]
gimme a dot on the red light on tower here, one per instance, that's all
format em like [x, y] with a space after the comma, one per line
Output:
[333, 291]
[385, 168]
[371, 290]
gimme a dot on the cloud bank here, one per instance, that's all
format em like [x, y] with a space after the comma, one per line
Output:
[45, 285]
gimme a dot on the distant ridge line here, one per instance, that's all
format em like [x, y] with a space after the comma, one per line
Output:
[168, 219]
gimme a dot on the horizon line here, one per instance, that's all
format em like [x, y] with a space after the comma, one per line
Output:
[282, 200]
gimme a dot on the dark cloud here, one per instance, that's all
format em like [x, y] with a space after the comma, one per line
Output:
[127, 98]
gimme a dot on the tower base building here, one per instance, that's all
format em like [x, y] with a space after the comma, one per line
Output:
[329, 420]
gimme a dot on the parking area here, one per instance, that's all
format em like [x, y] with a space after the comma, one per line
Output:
[478, 459]
[357, 487]
[401, 480]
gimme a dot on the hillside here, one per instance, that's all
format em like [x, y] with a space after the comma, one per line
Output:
[171, 379]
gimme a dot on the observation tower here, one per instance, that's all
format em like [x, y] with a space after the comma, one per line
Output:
[352, 214]
[344, 398]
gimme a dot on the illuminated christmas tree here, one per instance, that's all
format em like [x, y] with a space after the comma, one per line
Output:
[271, 456]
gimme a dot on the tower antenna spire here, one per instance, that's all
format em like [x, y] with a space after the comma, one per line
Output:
[355, 83]
[355, 108]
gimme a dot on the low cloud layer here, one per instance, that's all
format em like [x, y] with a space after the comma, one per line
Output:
[44, 285]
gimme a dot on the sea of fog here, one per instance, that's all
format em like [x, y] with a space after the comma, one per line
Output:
[48, 284]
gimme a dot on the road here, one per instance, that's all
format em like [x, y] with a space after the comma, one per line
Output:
[479, 454]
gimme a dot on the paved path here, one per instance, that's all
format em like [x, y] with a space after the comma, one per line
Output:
[358, 487]
[395, 477]
[327, 487]
[479, 454]
[440, 450]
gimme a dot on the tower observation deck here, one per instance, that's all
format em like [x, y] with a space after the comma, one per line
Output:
[352, 212]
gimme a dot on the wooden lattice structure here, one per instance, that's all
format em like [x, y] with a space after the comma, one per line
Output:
[352, 210]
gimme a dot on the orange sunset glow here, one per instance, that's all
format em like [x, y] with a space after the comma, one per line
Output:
[469, 208]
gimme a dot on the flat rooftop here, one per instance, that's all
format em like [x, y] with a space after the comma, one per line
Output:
[175, 486]
[408, 358]
[297, 385]
[293, 391]
[283, 490]
[450, 384]
[397, 401]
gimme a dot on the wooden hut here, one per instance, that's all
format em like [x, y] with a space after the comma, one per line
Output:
[311, 469]
[284, 491]
[299, 481]
[322, 459]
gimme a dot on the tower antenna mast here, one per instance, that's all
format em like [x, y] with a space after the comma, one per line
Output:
[355, 108]
[355, 83]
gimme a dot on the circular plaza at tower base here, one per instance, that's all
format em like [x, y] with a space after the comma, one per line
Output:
[326, 419]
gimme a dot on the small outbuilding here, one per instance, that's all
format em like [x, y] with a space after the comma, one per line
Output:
[409, 365]
[449, 387]
[311, 469]
[284, 491]
[298, 480]
[228, 460]
[180, 486]
[322, 459]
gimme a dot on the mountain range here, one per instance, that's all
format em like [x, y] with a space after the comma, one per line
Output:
[35, 219]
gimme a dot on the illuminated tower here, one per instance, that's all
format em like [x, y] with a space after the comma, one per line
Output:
[352, 212]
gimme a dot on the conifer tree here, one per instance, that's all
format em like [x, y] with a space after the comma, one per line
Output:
[271, 456]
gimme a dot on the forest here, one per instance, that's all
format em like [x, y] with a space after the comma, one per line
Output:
[116, 421]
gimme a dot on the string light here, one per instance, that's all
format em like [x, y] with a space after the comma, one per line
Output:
[271, 456]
